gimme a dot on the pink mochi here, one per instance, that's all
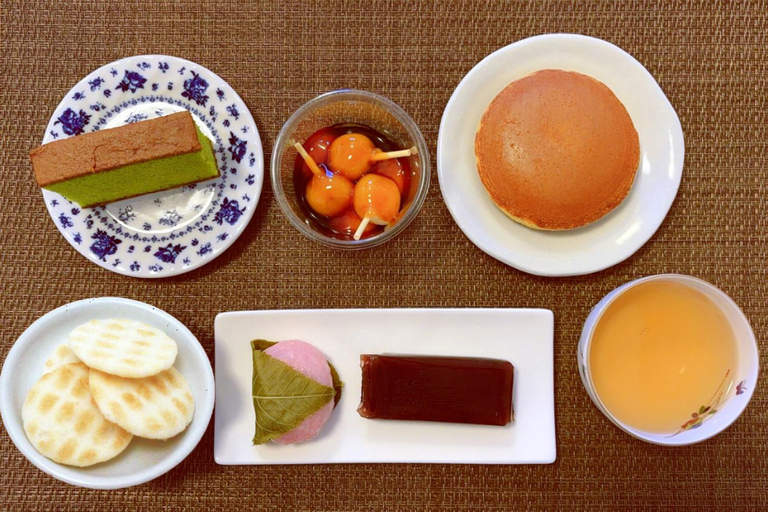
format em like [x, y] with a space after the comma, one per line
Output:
[306, 359]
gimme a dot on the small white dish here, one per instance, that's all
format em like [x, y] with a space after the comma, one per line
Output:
[730, 405]
[174, 231]
[599, 245]
[144, 459]
[523, 337]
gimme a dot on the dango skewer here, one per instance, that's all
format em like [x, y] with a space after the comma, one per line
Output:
[379, 156]
[308, 160]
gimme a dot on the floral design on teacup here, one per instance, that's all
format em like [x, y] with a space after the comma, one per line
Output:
[706, 411]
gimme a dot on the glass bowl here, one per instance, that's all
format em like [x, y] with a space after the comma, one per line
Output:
[348, 106]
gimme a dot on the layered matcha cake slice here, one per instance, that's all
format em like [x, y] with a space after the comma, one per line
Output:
[109, 165]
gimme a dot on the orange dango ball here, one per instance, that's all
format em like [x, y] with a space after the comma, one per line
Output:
[376, 198]
[350, 155]
[395, 170]
[329, 194]
[348, 222]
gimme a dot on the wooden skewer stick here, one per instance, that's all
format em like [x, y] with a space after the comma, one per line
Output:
[381, 155]
[364, 224]
[308, 159]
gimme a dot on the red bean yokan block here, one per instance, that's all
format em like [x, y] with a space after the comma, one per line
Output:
[446, 389]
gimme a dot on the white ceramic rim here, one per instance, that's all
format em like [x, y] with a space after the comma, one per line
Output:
[585, 342]
[552, 270]
[204, 404]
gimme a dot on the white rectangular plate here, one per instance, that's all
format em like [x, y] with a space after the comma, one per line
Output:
[522, 336]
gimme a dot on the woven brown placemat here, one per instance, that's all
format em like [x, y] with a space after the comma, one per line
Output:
[709, 57]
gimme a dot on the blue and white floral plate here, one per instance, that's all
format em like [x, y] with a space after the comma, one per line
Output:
[175, 231]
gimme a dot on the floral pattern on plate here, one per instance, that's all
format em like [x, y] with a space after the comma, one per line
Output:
[174, 231]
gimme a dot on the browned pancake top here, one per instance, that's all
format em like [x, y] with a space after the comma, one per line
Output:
[557, 150]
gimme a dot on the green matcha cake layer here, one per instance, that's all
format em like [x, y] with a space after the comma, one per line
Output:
[139, 179]
[108, 165]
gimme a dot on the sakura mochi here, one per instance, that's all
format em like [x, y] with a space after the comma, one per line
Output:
[294, 391]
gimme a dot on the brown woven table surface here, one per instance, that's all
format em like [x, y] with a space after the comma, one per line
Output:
[711, 59]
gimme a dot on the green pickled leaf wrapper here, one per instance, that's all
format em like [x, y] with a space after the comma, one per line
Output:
[262, 344]
[337, 385]
[284, 397]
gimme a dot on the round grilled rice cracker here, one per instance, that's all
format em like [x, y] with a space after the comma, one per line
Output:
[123, 347]
[63, 423]
[61, 355]
[157, 407]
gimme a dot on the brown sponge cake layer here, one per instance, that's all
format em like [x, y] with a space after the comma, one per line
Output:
[105, 150]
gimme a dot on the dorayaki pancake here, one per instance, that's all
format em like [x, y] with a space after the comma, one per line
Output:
[557, 150]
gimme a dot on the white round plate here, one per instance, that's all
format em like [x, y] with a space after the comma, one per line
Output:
[144, 459]
[175, 231]
[597, 246]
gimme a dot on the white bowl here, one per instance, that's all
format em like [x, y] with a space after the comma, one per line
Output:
[733, 402]
[596, 246]
[144, 459]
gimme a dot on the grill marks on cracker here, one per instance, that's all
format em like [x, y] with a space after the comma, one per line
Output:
[61, 355]
[63, 423]
[157, 407]
[74, 418]
[122, 347]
